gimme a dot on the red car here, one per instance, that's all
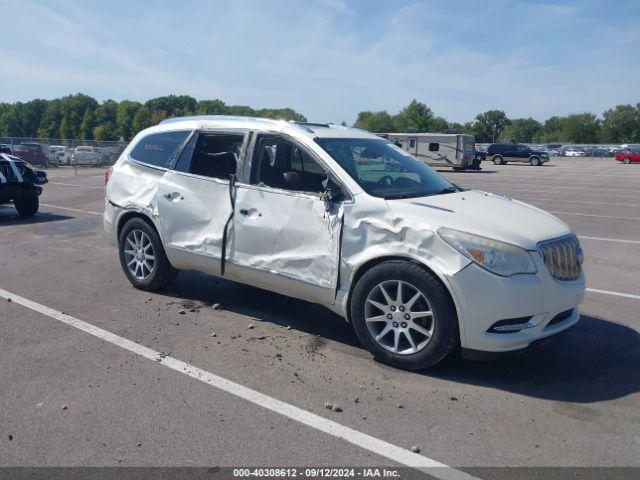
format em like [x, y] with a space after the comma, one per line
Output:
[32, 153]
[629, 156]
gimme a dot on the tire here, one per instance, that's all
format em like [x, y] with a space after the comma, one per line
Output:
[158, 273]
[497, 160]
[534, 161]
[27, 207]
[424, 351]
[626, 161]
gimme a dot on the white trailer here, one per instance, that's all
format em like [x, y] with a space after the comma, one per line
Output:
[439, 149]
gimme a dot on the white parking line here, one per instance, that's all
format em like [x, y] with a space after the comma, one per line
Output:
[563, 200]
[603, 239]
[593, 215]
[70, 209]
[74, 185]
[355, 437]
[617, 294]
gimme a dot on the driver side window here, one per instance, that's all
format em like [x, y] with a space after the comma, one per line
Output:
[279, 163]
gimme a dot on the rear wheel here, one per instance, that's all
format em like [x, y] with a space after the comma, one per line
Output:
[27, 206]
[403, 315]
[626, 160]
[498, 160]
[142, 256]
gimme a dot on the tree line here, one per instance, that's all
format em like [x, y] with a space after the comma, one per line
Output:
[620, 124]
[82, 117]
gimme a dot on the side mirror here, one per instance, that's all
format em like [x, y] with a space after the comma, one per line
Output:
[434, 147]
[332, 191]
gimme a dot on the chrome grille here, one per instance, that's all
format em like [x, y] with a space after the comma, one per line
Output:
[563, 257]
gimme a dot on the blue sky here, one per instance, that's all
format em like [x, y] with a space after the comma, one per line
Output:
[330, 59]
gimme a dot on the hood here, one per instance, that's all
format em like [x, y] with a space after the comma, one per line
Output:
[481, 213]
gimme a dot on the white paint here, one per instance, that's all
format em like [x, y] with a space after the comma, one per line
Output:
[617, 294]
[74, 185]
[355, 437]
[593, 215]
[70, 209]
[555, 200]
[619, 240]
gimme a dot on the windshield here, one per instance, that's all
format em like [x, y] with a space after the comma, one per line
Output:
[384, 170]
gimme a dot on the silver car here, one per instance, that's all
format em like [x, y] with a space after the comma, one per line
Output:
[346, 219]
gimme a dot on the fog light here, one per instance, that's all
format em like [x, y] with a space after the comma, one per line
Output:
[513, 325]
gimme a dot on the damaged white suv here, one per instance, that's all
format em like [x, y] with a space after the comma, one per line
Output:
[343, 218]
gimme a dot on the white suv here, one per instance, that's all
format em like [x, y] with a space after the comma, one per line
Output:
[343, 218]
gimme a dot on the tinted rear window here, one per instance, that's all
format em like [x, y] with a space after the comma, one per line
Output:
[158, 149]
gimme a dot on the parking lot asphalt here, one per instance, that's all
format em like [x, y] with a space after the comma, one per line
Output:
[72, 399]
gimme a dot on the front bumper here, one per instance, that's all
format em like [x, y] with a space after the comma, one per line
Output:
[484, 299]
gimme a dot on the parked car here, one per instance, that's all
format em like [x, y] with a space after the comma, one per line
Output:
[574, 152]
[501, 153]
[60, 154]
[87, 155]
[34, 153]
[417, 264]
[629, 155]
[20, 183]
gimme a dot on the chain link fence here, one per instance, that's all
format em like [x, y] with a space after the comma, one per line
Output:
[60, 153]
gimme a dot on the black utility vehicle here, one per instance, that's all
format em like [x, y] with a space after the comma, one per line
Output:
[501, 153]
[20, 183]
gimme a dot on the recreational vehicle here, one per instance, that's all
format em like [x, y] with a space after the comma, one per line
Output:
[439, 149]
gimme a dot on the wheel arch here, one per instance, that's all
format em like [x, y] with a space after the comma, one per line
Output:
[127, 215]
[367, 265]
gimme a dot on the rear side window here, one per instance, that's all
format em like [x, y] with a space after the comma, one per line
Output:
[158, 149]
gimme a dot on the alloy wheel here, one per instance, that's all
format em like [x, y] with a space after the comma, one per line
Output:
[138, 254]
[399, 317]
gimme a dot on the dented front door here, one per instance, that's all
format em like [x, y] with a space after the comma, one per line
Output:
[286, 241]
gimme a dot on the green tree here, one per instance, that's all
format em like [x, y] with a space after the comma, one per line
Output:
[414, 117]
[86, 126]
[172, 105]
[489, 125]
[124, 118]
[581, 128]
[50, 120]
[621, 124]
[521, 130]
[141, 120]
[438, 124]
[375, 122]
[211, 107]
[11, 122]
[73, 108]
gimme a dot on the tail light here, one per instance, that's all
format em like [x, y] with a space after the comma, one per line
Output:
[107, 174]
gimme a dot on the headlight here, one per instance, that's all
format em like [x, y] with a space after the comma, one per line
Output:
[498, 257]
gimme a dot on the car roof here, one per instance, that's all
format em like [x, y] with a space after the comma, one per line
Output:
[309, 129]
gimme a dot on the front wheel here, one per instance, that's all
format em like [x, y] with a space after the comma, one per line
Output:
[403, 315]
[27, 206]
[626, 161]
[534, 161]
[142, 256]
[497, 160]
